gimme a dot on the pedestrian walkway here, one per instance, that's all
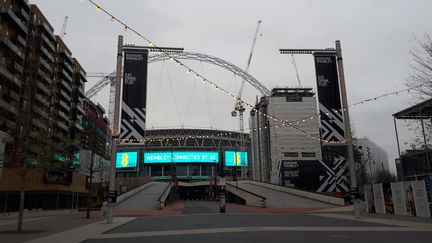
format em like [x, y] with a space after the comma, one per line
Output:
[278, 199]
[145, 199]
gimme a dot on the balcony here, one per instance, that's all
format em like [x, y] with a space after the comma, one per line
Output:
[44, 89]
[46, 65]
[80, 109]
[64, 105]
[39, 124]
[8, 107]
[47, 29]
[42, 100]
[47, 54]
[18, 67]
[14, 95]
[63, 94]
[48, 42]
[5, 73]
[45, 76]
[15, 18]
[78, 126]
[11, 124]
[24, 14]
[66, 85]
[64, 116]
[67, 76]
[40, 112]
[63, 126]
[22, 41]
[12, 46]
[68, 67]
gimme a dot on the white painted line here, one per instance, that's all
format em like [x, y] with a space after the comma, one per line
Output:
[83, 233]
[399, 223]
[257, 229]
[14, 221]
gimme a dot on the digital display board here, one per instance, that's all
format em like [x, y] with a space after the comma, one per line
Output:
[234, 158]
[181, 157]
[126, 160]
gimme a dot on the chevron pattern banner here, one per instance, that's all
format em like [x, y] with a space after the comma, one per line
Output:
[133, 111]
[316, 175]
[329, 99]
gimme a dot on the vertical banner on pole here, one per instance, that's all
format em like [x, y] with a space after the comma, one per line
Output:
[329, 99]
[133, 111]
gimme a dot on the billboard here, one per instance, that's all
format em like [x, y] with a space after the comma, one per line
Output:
[133, 111]
[181, 157]
[126, 160]
[235, 158]
[329, 99]
[315, 175]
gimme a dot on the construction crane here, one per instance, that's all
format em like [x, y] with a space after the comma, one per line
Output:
[63, 29]
[238, 106]
[295, 67]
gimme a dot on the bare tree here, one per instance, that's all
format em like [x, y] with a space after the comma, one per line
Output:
[420, 78]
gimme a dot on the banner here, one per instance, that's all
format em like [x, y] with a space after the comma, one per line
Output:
[316, 175]
[329, 99]
[379, 199]
[420, 199]
[398, 198]
[133, 113]
[388, 198]
[369, 199]
[409, 198]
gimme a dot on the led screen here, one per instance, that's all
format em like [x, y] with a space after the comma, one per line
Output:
[126, 160]
[181, 157]
[235, 158]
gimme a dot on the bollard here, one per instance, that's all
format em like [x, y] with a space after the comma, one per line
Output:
[222, 205]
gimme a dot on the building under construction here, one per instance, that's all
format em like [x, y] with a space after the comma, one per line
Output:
[41, 105]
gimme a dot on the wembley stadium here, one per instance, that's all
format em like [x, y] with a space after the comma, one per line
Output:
[189, 154]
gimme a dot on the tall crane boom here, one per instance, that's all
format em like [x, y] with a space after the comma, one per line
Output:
[248, 64]
[63, 29]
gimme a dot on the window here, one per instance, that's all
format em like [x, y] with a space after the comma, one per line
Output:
[308, 154]
[290, 154]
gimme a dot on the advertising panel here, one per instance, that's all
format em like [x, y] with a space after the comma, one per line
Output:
[369, 199]
[316, 175]
[398, 198]
[126, 160]
[379, 198]
[133, 107]
[429, 192]
[181, 157]
[329, 99]
[234, 158]
[409, 198]
[420, 199]
[388, 198]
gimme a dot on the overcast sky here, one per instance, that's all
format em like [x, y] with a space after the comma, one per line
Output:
[376, 38]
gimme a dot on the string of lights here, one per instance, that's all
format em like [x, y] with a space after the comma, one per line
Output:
[206, 81]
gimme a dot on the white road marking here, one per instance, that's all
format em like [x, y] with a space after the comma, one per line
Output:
[259, 229]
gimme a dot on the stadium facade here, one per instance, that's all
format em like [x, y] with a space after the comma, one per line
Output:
[189, 154]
